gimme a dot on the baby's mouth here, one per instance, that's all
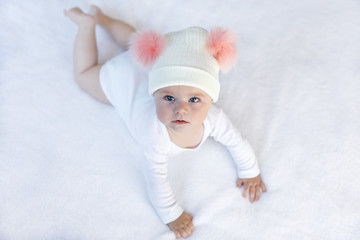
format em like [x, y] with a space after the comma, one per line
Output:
[180, 122]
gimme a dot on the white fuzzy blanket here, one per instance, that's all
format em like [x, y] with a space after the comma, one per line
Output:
[70, 170]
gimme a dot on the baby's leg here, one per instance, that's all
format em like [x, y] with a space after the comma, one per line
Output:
[118, 30]
[86, 66]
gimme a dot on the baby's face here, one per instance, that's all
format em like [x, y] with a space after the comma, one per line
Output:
[182, 107]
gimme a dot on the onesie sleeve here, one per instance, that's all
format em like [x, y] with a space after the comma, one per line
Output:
[159, 190]
[223, 131]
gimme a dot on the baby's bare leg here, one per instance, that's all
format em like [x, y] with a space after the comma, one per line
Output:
[118, 30]
[86, 66]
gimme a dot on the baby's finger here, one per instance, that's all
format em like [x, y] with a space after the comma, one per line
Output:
[239, 183]
[191, 226]
[263, 187]
[183, 232]
[246, 190]
[177, 234]
[188, 230]
[252, 193]
[257, 193]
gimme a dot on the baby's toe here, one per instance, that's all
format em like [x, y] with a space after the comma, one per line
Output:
[75, 10]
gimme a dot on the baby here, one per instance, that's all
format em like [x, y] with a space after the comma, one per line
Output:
[170, 109]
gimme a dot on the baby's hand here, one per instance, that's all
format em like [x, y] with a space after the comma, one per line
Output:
[182, 226]
[252, 187]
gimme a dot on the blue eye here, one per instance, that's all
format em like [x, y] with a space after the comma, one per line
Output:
[169, 98]
[194, 99]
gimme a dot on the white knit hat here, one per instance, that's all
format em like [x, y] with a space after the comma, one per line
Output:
[190, 57]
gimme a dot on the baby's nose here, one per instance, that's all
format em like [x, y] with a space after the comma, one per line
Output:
[181, 108]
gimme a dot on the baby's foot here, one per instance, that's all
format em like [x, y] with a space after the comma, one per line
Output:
[79, 17]
[100, 17]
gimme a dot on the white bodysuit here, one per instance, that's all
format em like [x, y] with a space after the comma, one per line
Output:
[125, 85]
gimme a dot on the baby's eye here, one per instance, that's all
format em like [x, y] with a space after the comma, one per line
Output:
[194, 99]
[169, 98]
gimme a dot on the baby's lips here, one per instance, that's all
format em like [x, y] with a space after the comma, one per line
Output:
[180, 121]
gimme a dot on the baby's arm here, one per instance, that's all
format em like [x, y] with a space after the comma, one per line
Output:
[242, 153]
[162, 197]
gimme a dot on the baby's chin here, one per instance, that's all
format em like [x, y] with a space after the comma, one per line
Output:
[178, 126]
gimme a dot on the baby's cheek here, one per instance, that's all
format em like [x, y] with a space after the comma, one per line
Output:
[202, 110]
[201, 115]
[162, 113]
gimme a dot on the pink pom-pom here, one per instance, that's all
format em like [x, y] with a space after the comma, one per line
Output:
[146, 47]
[222, 45]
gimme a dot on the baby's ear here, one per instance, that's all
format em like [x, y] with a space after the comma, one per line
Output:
[222, 45]
[146, 47]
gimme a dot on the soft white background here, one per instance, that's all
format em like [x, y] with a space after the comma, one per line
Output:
[70, 170]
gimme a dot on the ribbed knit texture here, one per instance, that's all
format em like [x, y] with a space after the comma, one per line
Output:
[186, 61]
